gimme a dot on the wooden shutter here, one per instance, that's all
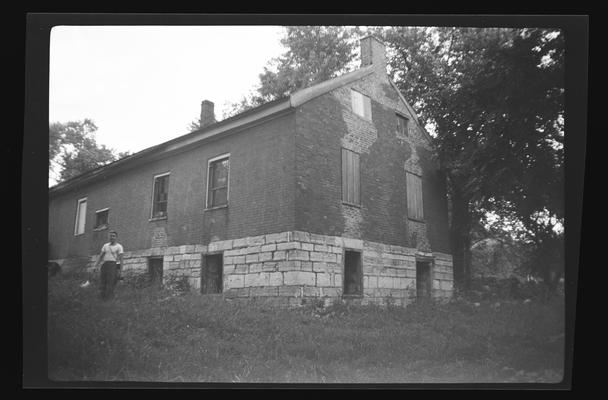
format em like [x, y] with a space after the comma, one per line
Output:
[351, 192]
[367, 107]
[414, 196]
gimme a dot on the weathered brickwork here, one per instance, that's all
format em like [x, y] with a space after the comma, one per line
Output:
[285, 230]
[292, 267]
[326, 124]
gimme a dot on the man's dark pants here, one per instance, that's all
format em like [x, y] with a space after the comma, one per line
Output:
[108, 279]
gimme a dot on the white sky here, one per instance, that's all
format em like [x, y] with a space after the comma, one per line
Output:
[143, 85]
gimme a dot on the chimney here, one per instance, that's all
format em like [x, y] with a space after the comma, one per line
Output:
[207, 114]
[373, 52]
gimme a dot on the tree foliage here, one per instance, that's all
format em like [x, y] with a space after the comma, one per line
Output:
[494, 98]
[74, 150]
[313, 54]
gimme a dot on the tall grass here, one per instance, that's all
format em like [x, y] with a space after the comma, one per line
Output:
[150, 334]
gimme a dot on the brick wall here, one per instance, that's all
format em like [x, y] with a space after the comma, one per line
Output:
[326, 124]
[261, 196]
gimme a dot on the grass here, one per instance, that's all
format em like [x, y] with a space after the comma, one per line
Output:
[147, 334]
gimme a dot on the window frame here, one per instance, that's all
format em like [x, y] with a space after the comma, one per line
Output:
[209, 162]
[107, 224]
[154, 178]
[78, 215]
[364, 98]
[414, 218]
[356, 194]
[407, 124]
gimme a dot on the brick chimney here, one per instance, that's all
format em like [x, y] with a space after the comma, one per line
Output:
[207, 114]
[373, 52]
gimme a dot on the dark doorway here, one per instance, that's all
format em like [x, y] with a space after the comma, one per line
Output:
[423, 279]
[353, 276]
[155, 270]
[212, 274]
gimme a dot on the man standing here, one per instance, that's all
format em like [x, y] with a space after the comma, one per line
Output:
[111, 255]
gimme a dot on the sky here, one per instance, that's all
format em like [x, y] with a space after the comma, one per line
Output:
[143, 85]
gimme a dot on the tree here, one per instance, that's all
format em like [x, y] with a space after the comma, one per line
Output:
[494, 99]
[73, 149]
[313, 54]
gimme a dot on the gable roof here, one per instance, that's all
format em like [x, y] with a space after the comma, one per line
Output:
[229, 125]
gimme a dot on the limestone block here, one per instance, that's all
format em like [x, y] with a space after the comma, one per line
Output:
[323, 279]
[255, 268]
[322, 248]
[277, 237]
[288, 246]
[219, 246]
[275, 279]
[265, 256]
[235, 252]
[350, 243]
[311, 291]
[289, 265]
[279, 255]
[200, 248]
[297, 255]
[167, 258]
[251, 258]
[269, 266]
[234, 281]
[241, 268]
[319, 266]
[306, 266]
[256, 240]
[237, 243]
[307, 246]
[300, 236]
[268, 247]
[299, 278]
[252, 249]
[260, 279]
[386, 282]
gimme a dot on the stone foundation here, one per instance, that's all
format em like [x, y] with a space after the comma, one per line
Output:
[290, 268]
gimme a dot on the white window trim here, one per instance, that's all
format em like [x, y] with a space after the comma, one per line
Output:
[96, 228]
[152, 218]
[217, 158]
[81, 200]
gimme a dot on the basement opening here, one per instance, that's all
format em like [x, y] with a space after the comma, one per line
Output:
[353, 274]
[155, 271]
[423, 279]
[212, 274]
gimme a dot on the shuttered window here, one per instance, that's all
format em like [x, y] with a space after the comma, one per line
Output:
[414, 196]
[160, 196]
[361, 104]
[81, 215]
[351, 192]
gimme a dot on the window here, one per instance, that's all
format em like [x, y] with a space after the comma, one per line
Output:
[402, 125]
[81, 215]
[361, 104]
[414, 196]
[160, 196]
[212, 274]
[155, 271]
[217, 192]
[351, 192]
[101, 219]
[352, 273]
[424, 286]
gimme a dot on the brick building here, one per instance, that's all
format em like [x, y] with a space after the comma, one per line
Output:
[332, 192]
